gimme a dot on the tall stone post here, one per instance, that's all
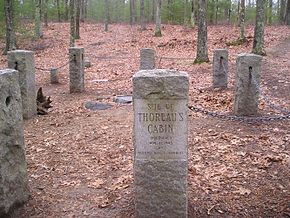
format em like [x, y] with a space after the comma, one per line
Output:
[23, 62]
[76, 70]
[147, 59]
[13, 175]
[220, 68]
[160, 143]
[53, 76]
[247, 80]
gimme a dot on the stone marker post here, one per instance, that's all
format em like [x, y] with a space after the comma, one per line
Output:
[220, 68]
[76, 70]
[160, 143]
[54, 76]
[247, 79]
[147, 59]
[23, 62]
[13, 175]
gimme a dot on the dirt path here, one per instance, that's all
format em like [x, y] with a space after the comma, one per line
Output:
[80, 162]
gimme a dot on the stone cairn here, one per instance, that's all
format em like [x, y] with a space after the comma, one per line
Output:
[220, 68]
[13, 176]
[247, 79]
[76, 70]
[160, 141]
[147, 59]
[23, 62]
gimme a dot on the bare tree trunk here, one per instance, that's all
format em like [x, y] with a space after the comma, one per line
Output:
[58, 10]
[66, 10]
[72, 23]
[185, 16]
[258, 45]
[287, 17]
[153, 10]
[10, 34]
[270, 12]
[45, 17]
[37, 20]
[78, 17]
[107, 15]
[242, 20]
[158, 19]
[192, 15]
[282, 11]
[202, 52]
[216, 11]
[132, 12]
[142, 15]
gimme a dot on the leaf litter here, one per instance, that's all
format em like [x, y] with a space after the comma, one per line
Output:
[80, 162]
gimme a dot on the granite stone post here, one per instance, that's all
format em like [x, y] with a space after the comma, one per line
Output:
[13, 175]
[220, 68]
[76, 70]
[246, 91]
[147, 59]
[23, 62]
[160, 143]
[54, 76]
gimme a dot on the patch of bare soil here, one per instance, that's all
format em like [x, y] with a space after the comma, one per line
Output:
[80, 162]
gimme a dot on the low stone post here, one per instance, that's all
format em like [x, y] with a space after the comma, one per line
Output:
[220, 68]
[76, 70]
[54, 76]
[13, 175]
[147, 59]
[160, 143]
[247, 79]
[23, 62]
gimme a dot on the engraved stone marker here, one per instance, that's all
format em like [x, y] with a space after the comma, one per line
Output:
[53, 76]
[23, 62]
[147, 59]
[220, 68]
[13, 175]
[160, 143]
[246, 92]
[76, 70]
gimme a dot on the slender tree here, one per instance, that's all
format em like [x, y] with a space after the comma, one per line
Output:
[270, 12]
[72, 23]
[107, 15]
[132, 12]
[287, 16]
[78, 18]
[202, 52]
[66, 9]
[242, 21]
[142, 15]
[282, 11]
[58, 11]
[37, 20]
[258, 45]
[158, 19]
[192, 15]
[45, 15]
[10, 34]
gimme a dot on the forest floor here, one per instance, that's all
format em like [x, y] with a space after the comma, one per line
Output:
[80, 162]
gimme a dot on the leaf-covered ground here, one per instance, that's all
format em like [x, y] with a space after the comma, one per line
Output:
[80, 162]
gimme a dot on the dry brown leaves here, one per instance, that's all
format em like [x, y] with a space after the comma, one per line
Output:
[80, 163]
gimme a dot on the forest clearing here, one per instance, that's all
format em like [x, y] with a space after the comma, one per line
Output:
[80, 162]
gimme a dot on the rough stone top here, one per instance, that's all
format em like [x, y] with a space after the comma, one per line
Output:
[220, 49]
[250, 56]
[21, 52]
[160, 84]
[7, 71]
[76, 48]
